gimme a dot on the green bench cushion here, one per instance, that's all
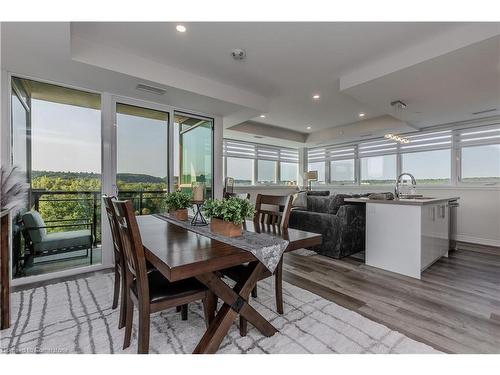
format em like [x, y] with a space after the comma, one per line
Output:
[32, 219]
[62, 240]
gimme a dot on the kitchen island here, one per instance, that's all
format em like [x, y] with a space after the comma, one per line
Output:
[406, 235]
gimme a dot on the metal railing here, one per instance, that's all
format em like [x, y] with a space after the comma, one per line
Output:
[61, 207]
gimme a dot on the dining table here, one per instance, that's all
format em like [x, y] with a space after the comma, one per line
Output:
[179, 253]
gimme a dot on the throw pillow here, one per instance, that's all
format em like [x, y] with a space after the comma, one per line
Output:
[300, 200]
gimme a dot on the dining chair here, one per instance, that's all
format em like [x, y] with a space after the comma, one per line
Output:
[269, 210]
[151, 292]
[119, 269]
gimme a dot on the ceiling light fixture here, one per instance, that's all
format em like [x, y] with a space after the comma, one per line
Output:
[316, 96]
[397, 138]
[361, 114]
[262, 116]
[308, 128]
[180, 28]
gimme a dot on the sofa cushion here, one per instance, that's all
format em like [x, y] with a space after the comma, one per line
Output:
[336, 201]
[61, 240]
[318, 204]
[32, 219]
[318, 193]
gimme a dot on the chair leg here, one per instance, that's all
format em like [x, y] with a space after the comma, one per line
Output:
[243, 326]
[184, 312]
[143, 346]
[116, 288]
[254, 292]
[128, 322]
[123, 303]
[279, 287]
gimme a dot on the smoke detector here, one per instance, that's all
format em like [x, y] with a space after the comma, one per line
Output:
[238, 54]
[398, 104]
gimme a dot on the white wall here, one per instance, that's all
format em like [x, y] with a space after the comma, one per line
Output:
[478, 214]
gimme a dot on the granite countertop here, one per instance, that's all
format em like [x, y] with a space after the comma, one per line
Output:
[408, 202]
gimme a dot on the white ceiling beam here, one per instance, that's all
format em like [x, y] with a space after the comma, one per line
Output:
[446, 42]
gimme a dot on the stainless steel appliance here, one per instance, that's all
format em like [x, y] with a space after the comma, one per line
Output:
[453, 223]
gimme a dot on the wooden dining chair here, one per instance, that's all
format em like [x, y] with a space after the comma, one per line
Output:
[151, 292]
[269, 210]
[119, 269]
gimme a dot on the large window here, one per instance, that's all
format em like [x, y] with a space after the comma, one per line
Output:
[241, 170]
[141, 137]
[320, 167]
[342, 172]
[56, 141]
[428, 167]
[480, 155]
[266, 172]
[253, 163]
[376, 170]
[481, 164]
[289, 173]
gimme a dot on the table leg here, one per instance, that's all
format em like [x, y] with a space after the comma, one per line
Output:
[235, 302]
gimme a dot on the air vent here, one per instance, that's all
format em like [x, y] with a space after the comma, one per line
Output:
[485, 111]
[151, 89]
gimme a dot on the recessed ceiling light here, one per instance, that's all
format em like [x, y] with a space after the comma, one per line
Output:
[361, 115]
[316, 96]
[180, 28]
[308, 128]
[262, 116]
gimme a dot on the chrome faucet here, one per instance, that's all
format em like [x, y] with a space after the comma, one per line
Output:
[397, 189]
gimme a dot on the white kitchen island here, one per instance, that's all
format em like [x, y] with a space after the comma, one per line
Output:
[406, 235]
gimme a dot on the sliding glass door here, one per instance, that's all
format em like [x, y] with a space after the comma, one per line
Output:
[193, 152]
[56, 144]
[142, 157]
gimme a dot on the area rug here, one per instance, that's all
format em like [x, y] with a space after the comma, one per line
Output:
[76, 317]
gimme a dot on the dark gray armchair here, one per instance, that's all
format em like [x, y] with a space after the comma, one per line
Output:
[342, 225]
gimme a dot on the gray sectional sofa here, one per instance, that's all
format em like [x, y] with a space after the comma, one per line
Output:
[341, 224]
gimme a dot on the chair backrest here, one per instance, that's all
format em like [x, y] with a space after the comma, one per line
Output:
[35, 225]
[113, 224]
[237, 195]
[133, 251]
[278, 216]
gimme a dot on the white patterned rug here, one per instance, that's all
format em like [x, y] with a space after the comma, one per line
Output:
[76, 317]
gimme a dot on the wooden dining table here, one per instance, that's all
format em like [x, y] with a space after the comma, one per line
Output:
[179, 254]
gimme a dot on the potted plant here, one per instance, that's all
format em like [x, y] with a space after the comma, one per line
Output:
[227, 215]
[177, 204]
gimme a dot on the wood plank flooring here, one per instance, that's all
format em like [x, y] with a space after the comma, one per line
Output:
[455, 308]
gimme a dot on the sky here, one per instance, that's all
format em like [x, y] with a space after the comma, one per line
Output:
[68, 138]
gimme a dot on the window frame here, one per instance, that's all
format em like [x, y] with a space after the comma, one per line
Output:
[261, 152]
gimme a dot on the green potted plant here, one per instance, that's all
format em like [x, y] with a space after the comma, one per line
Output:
[177, 204]
[227, 215]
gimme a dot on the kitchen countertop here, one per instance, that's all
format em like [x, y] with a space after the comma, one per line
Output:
[408, 202]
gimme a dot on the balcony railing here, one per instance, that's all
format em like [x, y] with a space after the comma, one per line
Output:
[61, 208]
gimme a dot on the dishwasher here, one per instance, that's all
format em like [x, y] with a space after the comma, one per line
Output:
[453, 223]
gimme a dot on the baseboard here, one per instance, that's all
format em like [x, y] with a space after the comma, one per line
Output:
[478, 240]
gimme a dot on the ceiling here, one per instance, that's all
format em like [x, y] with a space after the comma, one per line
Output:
[444, 71]
[286, 62]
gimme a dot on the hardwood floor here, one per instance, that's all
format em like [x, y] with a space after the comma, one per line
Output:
[455, 308]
